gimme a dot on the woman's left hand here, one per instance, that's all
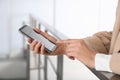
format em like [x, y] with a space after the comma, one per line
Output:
[78, 49]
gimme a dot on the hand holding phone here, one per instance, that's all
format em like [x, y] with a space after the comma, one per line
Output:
[29, 32]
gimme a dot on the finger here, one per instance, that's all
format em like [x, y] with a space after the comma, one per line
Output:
[40, 32]
[45, 34]
[71, 50]
[68, 51]
[32, 45]
[42, 49]
[37, 47]
[37, 30]
[72, 45]
[29, 40]
[71, 57]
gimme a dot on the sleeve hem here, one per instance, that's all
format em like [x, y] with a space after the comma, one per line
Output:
[102, 62]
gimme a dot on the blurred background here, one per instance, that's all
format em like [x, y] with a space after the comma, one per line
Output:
[74, 18]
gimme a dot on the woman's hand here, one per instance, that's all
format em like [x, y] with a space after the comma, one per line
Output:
[79, 50]
[39, 48]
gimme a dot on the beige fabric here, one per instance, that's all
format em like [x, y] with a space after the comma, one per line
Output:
[109, 43]
[100, 42]
[116, 30]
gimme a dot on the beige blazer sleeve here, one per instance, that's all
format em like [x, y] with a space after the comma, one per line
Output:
[115, 46]
[100, 42]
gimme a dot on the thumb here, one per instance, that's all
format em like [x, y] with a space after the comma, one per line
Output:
[37, 30]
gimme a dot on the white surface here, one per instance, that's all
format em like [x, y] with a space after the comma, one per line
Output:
[34, 75]
[75, 70]
[16, 53]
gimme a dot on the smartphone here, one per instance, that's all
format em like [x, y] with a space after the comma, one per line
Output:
[29, 32]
